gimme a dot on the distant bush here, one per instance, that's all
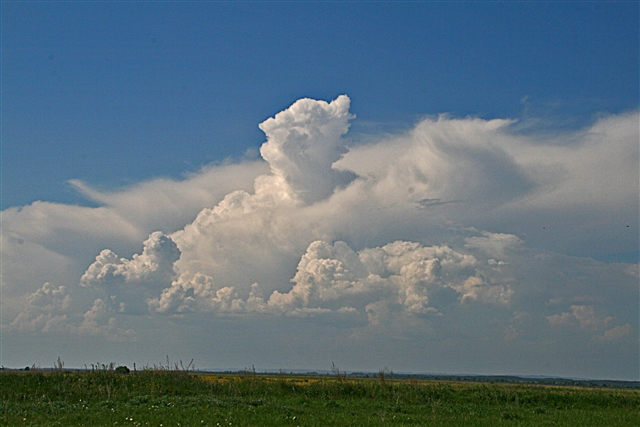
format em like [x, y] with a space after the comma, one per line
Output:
[122, 370]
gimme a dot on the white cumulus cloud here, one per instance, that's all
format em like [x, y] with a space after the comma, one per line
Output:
[128, 283]
[461, 231]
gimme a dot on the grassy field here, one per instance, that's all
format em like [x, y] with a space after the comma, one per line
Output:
[171, 398]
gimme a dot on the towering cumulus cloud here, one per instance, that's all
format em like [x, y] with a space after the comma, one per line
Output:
[461, 235]
[303, 142]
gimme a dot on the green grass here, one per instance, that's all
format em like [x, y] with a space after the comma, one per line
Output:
[170, 398]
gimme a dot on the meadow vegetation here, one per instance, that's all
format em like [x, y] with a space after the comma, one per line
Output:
[106, 396]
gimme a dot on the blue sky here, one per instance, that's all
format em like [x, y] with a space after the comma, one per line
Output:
[426, 186]
[113, 93]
